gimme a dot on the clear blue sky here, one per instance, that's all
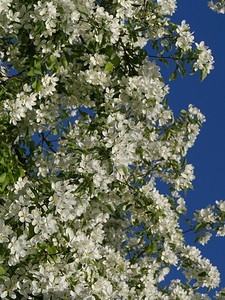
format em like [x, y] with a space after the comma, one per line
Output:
[208, 153]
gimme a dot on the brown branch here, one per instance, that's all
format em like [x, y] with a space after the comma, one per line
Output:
[47, 56]
[164, 57]
[47, 142]
[21, 159]
[191, 229]
[10, 76]
[6, 68]
[82, 40]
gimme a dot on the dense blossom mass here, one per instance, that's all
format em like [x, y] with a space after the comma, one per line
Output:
[86, 134]
[218, 6]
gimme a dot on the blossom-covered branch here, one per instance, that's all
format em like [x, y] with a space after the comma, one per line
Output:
[83, 217]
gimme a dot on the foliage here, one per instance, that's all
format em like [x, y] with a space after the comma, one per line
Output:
[85, 133]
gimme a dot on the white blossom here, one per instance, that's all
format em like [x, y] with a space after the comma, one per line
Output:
[87, 136]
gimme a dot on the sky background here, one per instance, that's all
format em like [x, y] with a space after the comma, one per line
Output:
[208, 153]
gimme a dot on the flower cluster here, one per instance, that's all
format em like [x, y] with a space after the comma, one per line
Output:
[87, 136]
[205, 58]
[210, 219]
[185, 38]
[218, 6]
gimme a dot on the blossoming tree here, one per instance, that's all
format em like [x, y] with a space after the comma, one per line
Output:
[85, 134]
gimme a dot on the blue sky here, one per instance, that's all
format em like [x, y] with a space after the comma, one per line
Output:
[208, 153]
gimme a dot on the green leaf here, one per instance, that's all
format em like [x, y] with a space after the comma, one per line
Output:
[183, 112]
[173, 76]
[124, 170]
[51, 250]
[153, 247]
[22, 173]
[41, 246]
[91, 187]
[34, 84]
[81, 186]
[52, 58]
[190, 186]
[38, 87]
[31, 146]
[165, 102]
[31, 72]
[40, 28]
[31, 231]
[57, 67]
[2, 177]
[203, 74]
[37, 64]
[64, 62]
[37, 72]
[165, 62]
[200, 226]
[2, 270]
[135, 178]
[2, 92]
[202, 274]
[90, 48]
[116, 61]
[110, 208]
[184, 162]
[109, 67]
[183, 71]
[108, 50]
[56, 131]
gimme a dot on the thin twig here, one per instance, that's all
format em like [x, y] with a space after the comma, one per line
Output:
[164, 57]
[47, 142]
[10, 76]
